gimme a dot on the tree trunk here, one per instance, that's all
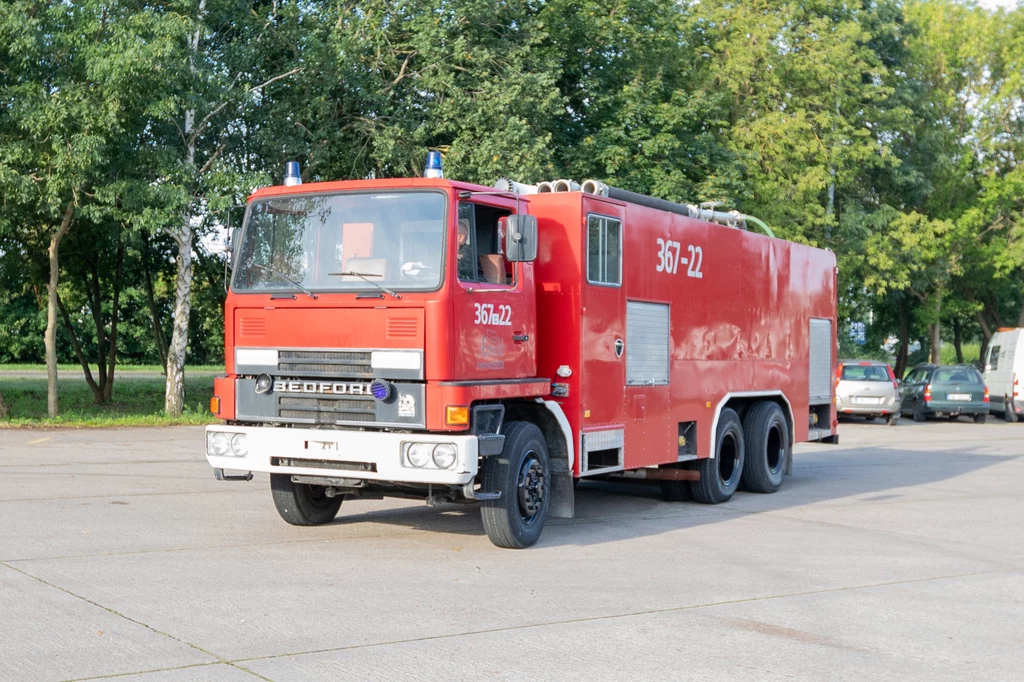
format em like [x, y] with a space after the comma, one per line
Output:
[50, 336]
[112, 339]
[158, 328]
[904, 352]
[93, 386]
[4, 412]
[935, 341]
[96, 305]
[935, 333]
[1020, 316]
[958, 341]
[174, 398]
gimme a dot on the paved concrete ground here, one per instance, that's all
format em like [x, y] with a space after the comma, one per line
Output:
[897, 555]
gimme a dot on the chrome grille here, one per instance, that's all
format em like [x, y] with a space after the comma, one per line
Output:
[326, 363]
[328, 409]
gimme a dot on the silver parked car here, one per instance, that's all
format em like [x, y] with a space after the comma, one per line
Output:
[867, 388]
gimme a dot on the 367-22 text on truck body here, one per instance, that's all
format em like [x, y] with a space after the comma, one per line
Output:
[445, 341]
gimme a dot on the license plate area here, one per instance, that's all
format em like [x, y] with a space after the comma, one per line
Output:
[861, 400]
[958, 396]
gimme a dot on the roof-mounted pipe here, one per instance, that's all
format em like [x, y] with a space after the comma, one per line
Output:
[544, 187]
[727, 218]
[565, 186]
[510, 185]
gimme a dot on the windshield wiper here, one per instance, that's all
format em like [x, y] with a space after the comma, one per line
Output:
[286, 278]
[365, 276]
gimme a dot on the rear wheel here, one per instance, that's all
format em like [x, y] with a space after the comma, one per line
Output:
[918, 412]
[301, 504]
[521, 474]
[766, 437]
[720, 475]
[980, 418]
[1008, 414]
[892, 419]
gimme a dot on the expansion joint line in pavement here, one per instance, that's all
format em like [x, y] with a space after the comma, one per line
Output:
[675, 609]
[220, 659]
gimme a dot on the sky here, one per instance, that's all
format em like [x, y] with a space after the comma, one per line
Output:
[993, 4]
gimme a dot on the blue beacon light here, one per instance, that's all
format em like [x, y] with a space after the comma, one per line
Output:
[292, 176]
[433, 168]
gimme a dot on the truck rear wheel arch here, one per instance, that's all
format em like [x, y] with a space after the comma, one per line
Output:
[741, 402]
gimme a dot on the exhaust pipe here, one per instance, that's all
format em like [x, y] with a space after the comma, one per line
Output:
[510, 185]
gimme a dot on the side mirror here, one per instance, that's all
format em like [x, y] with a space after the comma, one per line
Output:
[521, 239]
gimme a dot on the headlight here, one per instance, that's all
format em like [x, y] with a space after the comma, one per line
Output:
[444, 456]
[239, 445]
[419, 454]
[220, 443]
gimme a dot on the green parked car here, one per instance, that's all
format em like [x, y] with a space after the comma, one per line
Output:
[945, 391]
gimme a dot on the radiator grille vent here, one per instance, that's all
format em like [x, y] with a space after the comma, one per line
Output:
[325, 363]
[253, 326]
[402, 327]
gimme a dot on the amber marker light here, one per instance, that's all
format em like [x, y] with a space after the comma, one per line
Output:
[456, 415]
[215, 405]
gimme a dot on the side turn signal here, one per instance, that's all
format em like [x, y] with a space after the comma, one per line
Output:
[456, 415]
[215, 405]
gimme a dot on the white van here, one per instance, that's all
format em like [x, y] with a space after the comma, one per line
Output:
[1004, 371]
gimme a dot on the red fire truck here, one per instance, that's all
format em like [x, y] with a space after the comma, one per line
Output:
[440, 340]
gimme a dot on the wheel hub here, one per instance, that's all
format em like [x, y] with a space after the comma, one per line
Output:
[531, 488]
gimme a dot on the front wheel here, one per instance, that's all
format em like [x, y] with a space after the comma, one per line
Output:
[301, 504]
[522, 476]
[720, 475]
[980, 418]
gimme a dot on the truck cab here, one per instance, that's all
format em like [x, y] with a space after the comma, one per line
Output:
[377, 334]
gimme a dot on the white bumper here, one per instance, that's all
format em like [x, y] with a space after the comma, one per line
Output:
[369, 455]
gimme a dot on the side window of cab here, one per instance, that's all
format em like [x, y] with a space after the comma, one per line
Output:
[481, 241]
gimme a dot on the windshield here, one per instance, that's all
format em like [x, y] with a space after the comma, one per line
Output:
[865, 373]
[956, 375]
[353, 241]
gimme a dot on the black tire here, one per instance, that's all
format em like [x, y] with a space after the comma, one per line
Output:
[766, 437]
[301, 504]
[892, 419]
[522, 475]
[720, 475]
[918, 413]
[1009, 416]
[980, 418]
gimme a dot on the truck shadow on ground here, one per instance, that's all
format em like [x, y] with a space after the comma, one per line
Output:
[612, 511]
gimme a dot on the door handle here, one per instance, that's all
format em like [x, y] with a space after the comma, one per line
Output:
[520, 338]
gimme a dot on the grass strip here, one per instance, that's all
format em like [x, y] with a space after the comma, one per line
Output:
[138, 402]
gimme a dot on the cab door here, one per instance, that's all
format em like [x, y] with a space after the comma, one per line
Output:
[495, 304]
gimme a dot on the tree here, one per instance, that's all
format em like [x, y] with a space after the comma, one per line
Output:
[54, 132]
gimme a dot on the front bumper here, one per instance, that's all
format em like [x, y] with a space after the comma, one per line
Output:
[365, 455]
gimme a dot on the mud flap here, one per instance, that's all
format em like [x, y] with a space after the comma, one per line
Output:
[563, 501]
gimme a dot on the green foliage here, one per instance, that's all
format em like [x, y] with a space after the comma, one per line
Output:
[889, 131]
